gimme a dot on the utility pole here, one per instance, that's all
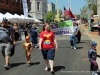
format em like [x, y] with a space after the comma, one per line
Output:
[69, 4]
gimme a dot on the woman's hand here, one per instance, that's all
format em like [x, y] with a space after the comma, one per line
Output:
[40, 48]
[56, 47]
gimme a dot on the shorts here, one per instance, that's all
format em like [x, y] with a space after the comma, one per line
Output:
[5, 49]
[48, 54]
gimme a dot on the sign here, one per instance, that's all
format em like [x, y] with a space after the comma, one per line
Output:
[63, 28]
[25, 8]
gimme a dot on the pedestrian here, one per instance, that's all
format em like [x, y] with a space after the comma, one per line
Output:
[16, 32]
[92, 55]
[34, 35]
[99, 29]
[47, 45]
[6, 38]
[78, 35]
[28, 46]
[25, 29]
[73, 37]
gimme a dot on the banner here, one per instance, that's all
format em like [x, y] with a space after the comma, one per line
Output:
[25, 8]
[63, 28]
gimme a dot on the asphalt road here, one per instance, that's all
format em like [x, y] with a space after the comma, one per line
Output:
[67, 61]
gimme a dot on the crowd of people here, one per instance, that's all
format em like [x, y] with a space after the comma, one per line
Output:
[47, 43]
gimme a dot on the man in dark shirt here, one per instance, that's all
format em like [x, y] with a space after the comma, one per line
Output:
[34, 35]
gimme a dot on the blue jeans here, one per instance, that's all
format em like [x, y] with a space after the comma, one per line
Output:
[34, 40]
[73, 40]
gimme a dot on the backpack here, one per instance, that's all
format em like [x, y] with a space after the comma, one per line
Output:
[33, 32]
[4, 34]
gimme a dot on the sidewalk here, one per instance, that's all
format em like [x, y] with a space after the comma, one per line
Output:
[94, 37]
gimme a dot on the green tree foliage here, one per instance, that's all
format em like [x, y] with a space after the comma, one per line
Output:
[94, 8]
[93, 5]
[50, 16]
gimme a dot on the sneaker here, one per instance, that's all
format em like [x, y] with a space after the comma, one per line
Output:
[6, 67]
[74, 47]
[28, 65]
[35, 46]
[71, 47]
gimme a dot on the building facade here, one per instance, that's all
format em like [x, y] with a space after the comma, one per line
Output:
[98, 8]
[51, 7]
[38, 9]
[12, 6]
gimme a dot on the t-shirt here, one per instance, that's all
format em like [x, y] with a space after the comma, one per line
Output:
[48, 39]
[10, 31]
[75, 29]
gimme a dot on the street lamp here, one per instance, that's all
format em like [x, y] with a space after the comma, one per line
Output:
[89, 27]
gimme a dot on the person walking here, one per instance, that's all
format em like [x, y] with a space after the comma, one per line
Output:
[16, 32]
[73, 37]
[6, 38]
[34, 35]
[78, 35]
[28, 46]
[47, 45]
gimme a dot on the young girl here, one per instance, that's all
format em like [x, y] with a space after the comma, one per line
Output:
[28, 46]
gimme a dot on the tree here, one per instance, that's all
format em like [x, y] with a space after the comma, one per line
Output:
[93, 6]
[50, 16]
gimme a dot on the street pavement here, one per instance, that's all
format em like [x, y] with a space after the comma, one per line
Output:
[67, 61]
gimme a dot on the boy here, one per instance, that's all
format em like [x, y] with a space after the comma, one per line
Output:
[28, 46]
[92, 55]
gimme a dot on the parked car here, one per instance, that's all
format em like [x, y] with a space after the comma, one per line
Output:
[94, 26]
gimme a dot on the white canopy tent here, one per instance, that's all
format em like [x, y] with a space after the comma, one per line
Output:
[18, 18]
[1, 17]
[8, 16]
[36, 20]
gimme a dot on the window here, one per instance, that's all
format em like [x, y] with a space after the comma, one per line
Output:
[12, 2]
[1, 1]
[16, 3]
[7, 2]
[38, 5]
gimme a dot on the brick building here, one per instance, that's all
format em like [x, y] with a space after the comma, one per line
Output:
[12, 6]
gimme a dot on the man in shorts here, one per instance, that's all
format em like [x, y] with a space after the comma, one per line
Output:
[5, 42]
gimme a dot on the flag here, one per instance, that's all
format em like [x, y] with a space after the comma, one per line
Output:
[71, 14]
[66, 12]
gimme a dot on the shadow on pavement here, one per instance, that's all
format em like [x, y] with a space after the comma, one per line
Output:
[79, 47]
[35, 63]
[82, 42]
[16, 64]
[57, 68]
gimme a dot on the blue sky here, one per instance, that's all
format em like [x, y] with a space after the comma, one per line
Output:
[75, 5]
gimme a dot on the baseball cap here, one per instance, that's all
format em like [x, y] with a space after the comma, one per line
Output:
[93, 43]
